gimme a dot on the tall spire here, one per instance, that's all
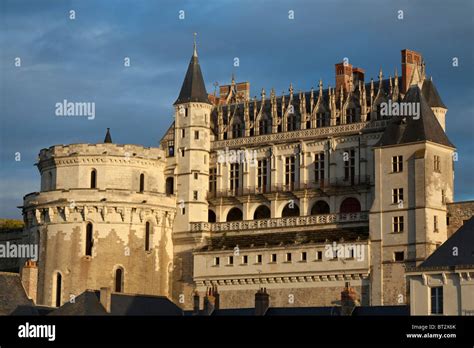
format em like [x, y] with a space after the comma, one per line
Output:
[195, 53]
[193, 88]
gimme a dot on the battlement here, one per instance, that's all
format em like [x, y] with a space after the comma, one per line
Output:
[121, 150]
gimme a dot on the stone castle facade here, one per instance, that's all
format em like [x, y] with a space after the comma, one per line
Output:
[245, 193]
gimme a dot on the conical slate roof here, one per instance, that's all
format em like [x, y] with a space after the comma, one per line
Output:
[193, 88]
[407, 129]
[431, 95]
[108, 137]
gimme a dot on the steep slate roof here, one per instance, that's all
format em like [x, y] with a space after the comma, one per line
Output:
[431, 95]
[88, 303]
[404, 130]
[286, 238]
[193, 88]
[463, 240]
[13, 299]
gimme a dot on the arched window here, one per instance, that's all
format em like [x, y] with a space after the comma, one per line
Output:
[119, 279]
[89, 239]
[350, 205]
[211, 216]
[93, 179]
[291, 209]
[235, 214]
[262, 212]
[58, 289]
[147, 236]
[319, 208]
[142, 182]
[169, 185]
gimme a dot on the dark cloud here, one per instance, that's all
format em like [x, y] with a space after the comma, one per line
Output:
[82, 60]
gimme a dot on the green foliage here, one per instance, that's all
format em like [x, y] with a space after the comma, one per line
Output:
[10, 224]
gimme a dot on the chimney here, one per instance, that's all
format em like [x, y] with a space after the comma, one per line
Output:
[358, 74]
[262, 302]
[240, 92]
[343, 75]
[106, 299]
[196, 300]
[411, 60]
[348, 300]
[211, 301]
[29, 279]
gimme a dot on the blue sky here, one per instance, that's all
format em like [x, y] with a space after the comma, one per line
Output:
[82, 60]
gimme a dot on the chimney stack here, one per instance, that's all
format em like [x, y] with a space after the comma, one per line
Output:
[196, 301]
[348, 300]
[262, 302]
[343, 76]
[211, 301]
[29, 278]
[411, 61]
[106, 299]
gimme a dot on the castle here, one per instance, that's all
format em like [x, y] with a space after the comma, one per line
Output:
[300, 193]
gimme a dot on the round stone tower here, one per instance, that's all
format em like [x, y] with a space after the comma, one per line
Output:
[102, 219]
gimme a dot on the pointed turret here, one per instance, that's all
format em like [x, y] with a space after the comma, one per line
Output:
[108, 137]
[193, 88]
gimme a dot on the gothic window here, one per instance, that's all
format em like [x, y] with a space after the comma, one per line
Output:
[319, 168]
[262, 176]
[349, 166]
[237, 130]
[397, 224]
[58, 288]
[147, 236]
[397, 164]
[291, 123]
[142, 182]
[212, 180]
[89, 239]
[264, 126]
[119, 282]
[350, 115]
[290, 173]
[234, 177]
[93, 179]
[397, 195]
[437, 300]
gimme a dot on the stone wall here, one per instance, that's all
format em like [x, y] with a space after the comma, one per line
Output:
[458, 213]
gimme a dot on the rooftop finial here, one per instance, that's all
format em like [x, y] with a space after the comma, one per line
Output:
[195, 54]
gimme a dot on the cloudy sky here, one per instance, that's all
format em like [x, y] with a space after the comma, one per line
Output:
[83, 60]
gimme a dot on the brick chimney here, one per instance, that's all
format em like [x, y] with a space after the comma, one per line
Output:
[211, 301]
[241, 92]
[343, 75]
[106, 299]
[29, 279]
[262, 302]
[196, 300]
[348, 300]
[411, 60]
